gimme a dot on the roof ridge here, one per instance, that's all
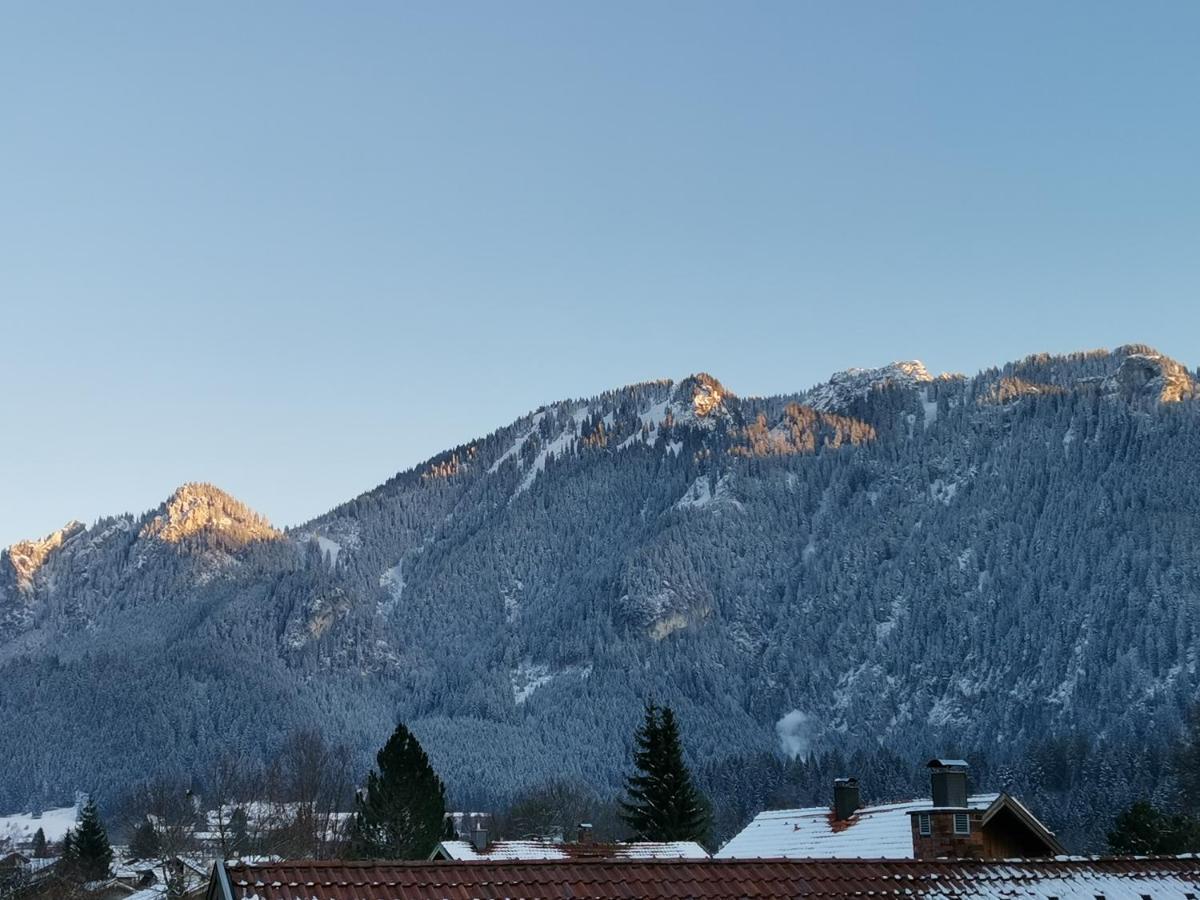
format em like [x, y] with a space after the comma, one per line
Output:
[786, 861]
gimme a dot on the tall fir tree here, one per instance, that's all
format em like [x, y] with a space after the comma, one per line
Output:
[1185, 761]
[39, 844]
[1144, 829]
[144, 844]
[663, 803]
[92, 852]
[401, 813]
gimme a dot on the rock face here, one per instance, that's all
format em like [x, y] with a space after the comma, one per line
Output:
[1009, 390]
[700, 400]
[890, 559]
[26, 557]
[1151, 376]
[840, 392]
[196, 509]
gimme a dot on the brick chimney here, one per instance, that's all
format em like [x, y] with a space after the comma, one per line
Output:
[585, 832]
[846, 800]
[948, 828]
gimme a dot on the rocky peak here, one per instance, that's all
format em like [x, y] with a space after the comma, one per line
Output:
[854, 384]
[1145, 373]
[26, 557]
[196, 509]
[701, 400]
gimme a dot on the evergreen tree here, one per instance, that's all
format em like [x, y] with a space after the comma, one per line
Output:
[92, 853]
[1144, 829]
[144, 843]
[401, 813]
[39, 844]
[663, 803]
[1186, 761]
[239, 826]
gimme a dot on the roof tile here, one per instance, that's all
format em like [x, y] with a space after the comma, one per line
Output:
[1164, 878]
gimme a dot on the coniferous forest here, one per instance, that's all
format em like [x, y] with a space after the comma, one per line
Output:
[886, 567]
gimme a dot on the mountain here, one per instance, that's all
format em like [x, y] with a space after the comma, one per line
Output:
[1005, 565]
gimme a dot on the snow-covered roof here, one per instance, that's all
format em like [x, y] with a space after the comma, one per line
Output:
[528, 850]
[873, 832]
[1162, 878]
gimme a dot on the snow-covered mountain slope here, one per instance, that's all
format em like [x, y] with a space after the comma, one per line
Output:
[844, 388]
[890, 557]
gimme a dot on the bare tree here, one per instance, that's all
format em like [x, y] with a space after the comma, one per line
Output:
[553, 811]
[311, 793]
[230, 790]
[170, 808]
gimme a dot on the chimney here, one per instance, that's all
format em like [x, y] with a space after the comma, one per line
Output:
[948, 782]
[479, 837]
[585, 832]
[845, 798]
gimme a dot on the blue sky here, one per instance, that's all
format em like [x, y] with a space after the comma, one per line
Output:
[292, 248]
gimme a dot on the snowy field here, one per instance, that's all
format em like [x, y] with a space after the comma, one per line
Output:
[20, 828]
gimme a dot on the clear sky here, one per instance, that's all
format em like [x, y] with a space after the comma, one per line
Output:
[292, 248]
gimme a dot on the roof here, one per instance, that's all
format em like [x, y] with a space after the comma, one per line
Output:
[873, 832]
[512, 850]
[1163, 878]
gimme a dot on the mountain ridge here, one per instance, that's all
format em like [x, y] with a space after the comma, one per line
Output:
[972, 561]
[839, 392]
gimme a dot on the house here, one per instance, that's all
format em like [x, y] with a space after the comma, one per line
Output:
[479, 847]
[950, 823]
[462, 851]
[1072, 878]
[21, 872]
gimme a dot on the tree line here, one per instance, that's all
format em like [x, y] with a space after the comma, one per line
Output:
[302, 808]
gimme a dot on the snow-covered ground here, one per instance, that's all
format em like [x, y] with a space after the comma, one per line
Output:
[529, 676]
[20, 827]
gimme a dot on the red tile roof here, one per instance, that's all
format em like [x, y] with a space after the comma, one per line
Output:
[1162, 878]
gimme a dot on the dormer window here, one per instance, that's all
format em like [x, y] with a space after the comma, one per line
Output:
[923, 824]
[962, 823]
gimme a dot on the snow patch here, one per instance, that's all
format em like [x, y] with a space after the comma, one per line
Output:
[333, 548]
[528, 676]
[701, 494]
[943, 491]
[930, 407]
[559, 445]
[888, 625]
[392, 580]
[518, 444]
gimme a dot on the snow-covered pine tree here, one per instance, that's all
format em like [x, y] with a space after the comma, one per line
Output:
[92, 852]
[400, 815]
[39, 844]
[1144, 829]
[663, 803]
[67, 853]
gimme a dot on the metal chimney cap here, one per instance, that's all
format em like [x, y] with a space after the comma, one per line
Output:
[948, 764]
[845, 781]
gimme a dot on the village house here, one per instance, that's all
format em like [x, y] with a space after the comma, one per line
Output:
[950, 823]
[479, 847]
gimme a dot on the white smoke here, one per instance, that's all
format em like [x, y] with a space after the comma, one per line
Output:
[795, 733]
